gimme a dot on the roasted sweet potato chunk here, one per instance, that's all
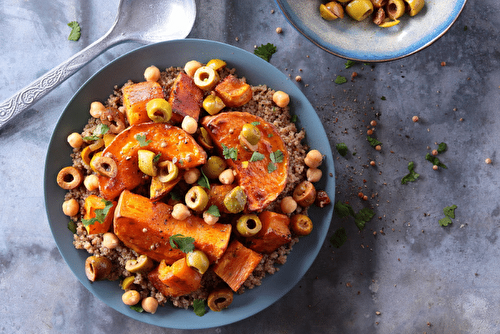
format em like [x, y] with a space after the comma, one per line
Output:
[263, 180]
[185, 98]
[234, 92]
[159, 189]
[172, 142]
[216, 195]
[146, 226]
[93, 203]
[274, 233]
[135, 98]
[175, 280]
[237, 263]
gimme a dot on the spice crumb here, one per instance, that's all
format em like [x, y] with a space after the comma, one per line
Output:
[378, 313]
[443, 63]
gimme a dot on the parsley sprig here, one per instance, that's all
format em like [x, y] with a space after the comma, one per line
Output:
[99, 131]
[360, 219]
[229, 153]
[100, 214]
[449, 213]
[342, 149]
[142, 140]
[75, 33]
[412, 175]
[184, 244]
[265, 51]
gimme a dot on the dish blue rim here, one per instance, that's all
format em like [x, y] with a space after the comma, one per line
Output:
[292, 18]
[273, 286]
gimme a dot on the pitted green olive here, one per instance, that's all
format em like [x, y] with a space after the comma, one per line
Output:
[304, 194]
[251, 133]
[142, 264]
[146, 164]
[395, 9]
[213, 104]
[235, 200]
[97, 268]
[196, 198]
[214, 166]
[159, 110]
[198, 261]
[414, 6]
[204, 139]
[167, 171]
[206, 78]
[359, 9]
[220, 299]
[301, 224]
[248, 225]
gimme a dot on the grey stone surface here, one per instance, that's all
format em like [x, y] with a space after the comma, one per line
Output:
[420, 276]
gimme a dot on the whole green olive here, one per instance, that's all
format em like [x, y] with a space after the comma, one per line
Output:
[214, 166]
[250, 133]
[235, 200]
[196, 198]
[198, 261]
[97, 268]
[248, 225]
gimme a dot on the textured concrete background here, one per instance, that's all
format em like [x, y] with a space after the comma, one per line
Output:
[420, 276]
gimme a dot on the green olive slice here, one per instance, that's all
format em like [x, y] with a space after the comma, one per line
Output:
[235, 200]
[196, 198]
[97, 268]
[168, 171]
[159, 110]
[198, 261]
[213, 104]
[146, 164]
[128, 283]
[141, 264]
[248, 225]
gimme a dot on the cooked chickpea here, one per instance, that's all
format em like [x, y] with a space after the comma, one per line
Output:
[71, 207]
[378, 148]
[373, 163]
[75, 140]
[91, 182]
[110, 240]
[314, 174]
[373, 123]
[369, 132]
[434, 152]
[298, 78]
[96, 109]
[288, 205]
[180, 211]
[192, 175]
[189, 125]
[435, 167]
[281, 99]
[152, 73]
[149, 304]
[131, 297]
[313, 159]
[191, 67]
[415, 119]
[226, 177]
[209, 218]
[488, 161]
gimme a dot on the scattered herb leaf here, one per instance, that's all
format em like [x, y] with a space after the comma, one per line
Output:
[362, 217]
[142, 140]
[72, 226]
[257, 156]
[412, 175]
[203, 181]
[156, 158]
[185, 244]
[265, 51]
[465, 28]
[445, 221]
[343, 210]
[271, 167]
[99, 131]
[373, 142]
[342, 149]
[277, 156]
[339, 237]
[214, 210]
[199, 307]
[349, 64]
[100, 214]
[255, 123]
[74, 35]
[339, 80]
[270, 135]
[294, 119]
[434, 160]
[442, 147]
[383, 98]
[229, 153]
[175, 196]
[449, 211]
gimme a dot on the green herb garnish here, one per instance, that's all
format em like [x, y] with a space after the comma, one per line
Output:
[349, 64]
[184, 244]
[137, 307]
[199, 307]
[412, 175]
[100, 214]
[339, 237]
[294, 119]
[142, 140]
[255, 123]
[99, 131]
[342, 149]
[442, 147]
[449, 213]
[383, 98]
[343, 210]
[277, 156]
[434, 160]
[175, 196]
[229, 153]
[156, 158]
[360, 219]
[271, 167]
[373, 142]
[72, 226]
[74, 35]
[203, 181]
[256, 156]
[339, 80]
[265, 51]
[214, 210]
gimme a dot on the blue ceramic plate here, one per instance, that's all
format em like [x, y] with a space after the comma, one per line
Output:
[364, 41]
[131, 66]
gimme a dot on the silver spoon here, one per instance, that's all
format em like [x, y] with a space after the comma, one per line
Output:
[144, 21]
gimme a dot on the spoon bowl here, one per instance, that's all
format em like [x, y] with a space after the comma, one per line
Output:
[145, 21]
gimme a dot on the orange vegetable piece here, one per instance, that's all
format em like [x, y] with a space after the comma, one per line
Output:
[172, 142]
[92, 203]
[146, 226]
[135, 98]
[216, 195]
[234, 92]
[274, 233]
[175, 280]
[237, 263]
[261, 187]
[159, 189]
[185, 98]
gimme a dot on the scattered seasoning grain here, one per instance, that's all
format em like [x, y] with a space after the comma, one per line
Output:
[365, 198]
[279, 30]
[378, 313]
[415, 119]
[443, 63]
[488, 161]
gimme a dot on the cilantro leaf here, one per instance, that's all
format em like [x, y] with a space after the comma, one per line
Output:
[342, 149]
[442, 147]
[74, 35]
[175, 196]
[277, 156]
[137, 307]
[270, 135]
[199, 307]
[373, 142]
[445, 221]
[412, 175]
[255, 123]
[99, 131]
[339, 237]
[349, 64]
[339, 80]
[294, 119]
[256, 156]
[363, 217]
[265, 51]
[142, 140]
[72, 226]
[449, 211]
[203, 181]
[434, 160]
[229, 153]
[343, 210]
[185, 244]
[383, 98]
[214, 210]
[156, 158]
[271, 167]
[100, 214]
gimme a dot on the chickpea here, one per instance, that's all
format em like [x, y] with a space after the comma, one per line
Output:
[110, 240]
[373, 163]
[192, 175]
[191, 67]
[91, 182]
[313, 159]
[314, 174]
[378, 148]
[434, 152]
[209, 218]
[369, 132]
[149, 304]
[152, 73]
[288, 205]
[71, 207]
[75, 140]
[96, 109]
[435, 167]
[180, 211]
[281, 99]
[131, 297]
[373, 123]
[226, 177]
[298, 78]
[189, 125]
[415, 119]
[488, 161]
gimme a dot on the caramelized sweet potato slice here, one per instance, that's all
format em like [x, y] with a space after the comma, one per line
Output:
[159, 189]
[172, 142]
[261, 186]
[92, 203]
[185, 98]
[135, 98]
[146, 226]
[216, 195]
[175, 280]
[234, 92]
[237, 263]
[274, 233]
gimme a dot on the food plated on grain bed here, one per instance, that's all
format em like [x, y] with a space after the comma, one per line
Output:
[189, 186]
